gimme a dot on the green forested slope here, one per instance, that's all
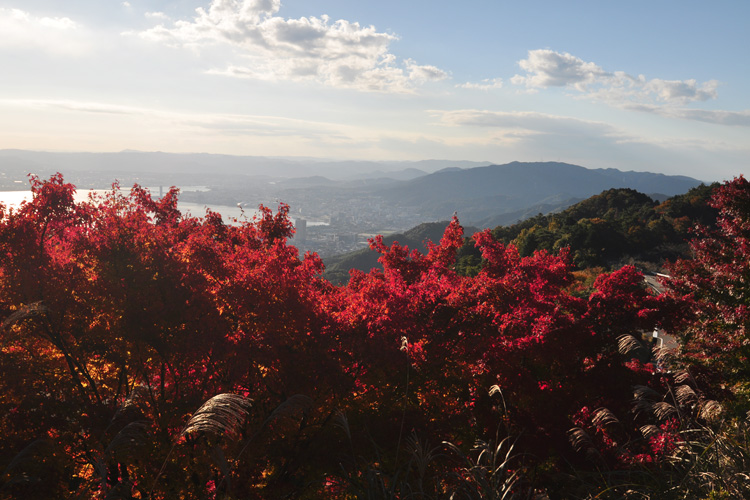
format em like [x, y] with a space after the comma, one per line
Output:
[612, 228]
[615, 227]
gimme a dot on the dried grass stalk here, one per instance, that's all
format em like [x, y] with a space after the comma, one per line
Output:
[643, 406]
[681, 376]
[649, 430]
[664, 410]
[222, 414]
[628, 345]
[710, 410]
[580, 439]
[645, 392]
[685, 395]
[603, 418]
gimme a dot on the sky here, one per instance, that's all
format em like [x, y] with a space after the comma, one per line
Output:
[650, 86]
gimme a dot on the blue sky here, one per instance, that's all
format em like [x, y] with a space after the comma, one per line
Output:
[657, 86]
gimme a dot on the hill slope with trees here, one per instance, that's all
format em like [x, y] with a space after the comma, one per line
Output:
[616, 227]
[608, 230]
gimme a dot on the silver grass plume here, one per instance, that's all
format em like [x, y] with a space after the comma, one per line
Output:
[222, 414]
[681, 376]
[710, 411]
[603, 417]
[629, 345]
[130, 410]
[581, 442]
[645, 392]
[490, 475]
[643, 406]
[663, 410]
[685, 395]
[649, 430]
[663, 355]
[126, 444]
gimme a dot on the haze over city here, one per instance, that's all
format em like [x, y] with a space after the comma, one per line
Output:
[659, 87]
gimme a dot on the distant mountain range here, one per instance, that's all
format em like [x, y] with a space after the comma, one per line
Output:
[361, 196]
[175, 168]
[495, 194]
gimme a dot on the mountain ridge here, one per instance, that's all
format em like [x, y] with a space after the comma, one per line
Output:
[484, 192]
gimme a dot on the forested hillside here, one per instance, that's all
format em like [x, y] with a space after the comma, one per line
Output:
[609, 230]
[616, 227]
[147, 354]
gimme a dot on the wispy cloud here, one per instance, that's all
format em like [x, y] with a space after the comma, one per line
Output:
[486, 84]
[336, 53]
[20, 30]
[522, 123]
[541, 127]
[77, 106]
[718, 117]
[221, 124]
[156, 15]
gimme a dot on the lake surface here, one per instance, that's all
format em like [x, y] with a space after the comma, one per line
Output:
[15, 198]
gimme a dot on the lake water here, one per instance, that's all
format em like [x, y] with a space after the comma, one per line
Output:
[15, 198]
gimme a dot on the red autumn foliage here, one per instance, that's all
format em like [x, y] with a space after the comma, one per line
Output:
[714, 287]
[122, 316]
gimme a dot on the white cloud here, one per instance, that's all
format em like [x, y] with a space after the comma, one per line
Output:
[338, 53]
[486, 84]
[58, 35]
[424, 73]
[156, 15]
[682, 91]
[547, 68]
